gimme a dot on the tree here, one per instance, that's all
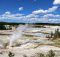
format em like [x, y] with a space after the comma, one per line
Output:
[50, 54]
[57, 34]
[51, 34]
[2, 27]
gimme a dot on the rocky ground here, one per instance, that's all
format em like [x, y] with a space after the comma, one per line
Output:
[31, 48]
[27, 46]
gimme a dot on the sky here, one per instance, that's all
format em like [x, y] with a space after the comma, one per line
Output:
[30, 11]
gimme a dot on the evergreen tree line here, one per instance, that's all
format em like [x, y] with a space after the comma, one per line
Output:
[2, 27]
[54, 35]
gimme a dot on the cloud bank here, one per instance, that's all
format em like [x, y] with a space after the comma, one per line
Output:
[45, 11]
[37, 16]
[56, 2]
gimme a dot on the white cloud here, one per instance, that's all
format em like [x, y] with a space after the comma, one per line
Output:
[40, 15]
[8, 12]
[51, 15]
[20, 8]
[31, 17]
[56, 2]
[52, 9]
[45, 11]
[8, 15]
[52, 18]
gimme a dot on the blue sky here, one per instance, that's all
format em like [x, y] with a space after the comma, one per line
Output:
[30, 11]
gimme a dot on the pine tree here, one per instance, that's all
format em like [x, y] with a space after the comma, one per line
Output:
[50, 54]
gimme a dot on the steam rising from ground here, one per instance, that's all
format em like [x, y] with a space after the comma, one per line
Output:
[17, 33]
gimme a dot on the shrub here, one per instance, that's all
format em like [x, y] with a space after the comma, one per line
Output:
[50, 54]
[11, 54]
[40, 55]
[2, 27]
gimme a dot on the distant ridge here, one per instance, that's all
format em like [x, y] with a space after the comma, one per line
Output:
[14, 23]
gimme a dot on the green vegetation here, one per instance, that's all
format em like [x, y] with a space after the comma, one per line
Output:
[2, 27]
[54, 35]
[11, 54]
[40, 55]
[51, 53]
